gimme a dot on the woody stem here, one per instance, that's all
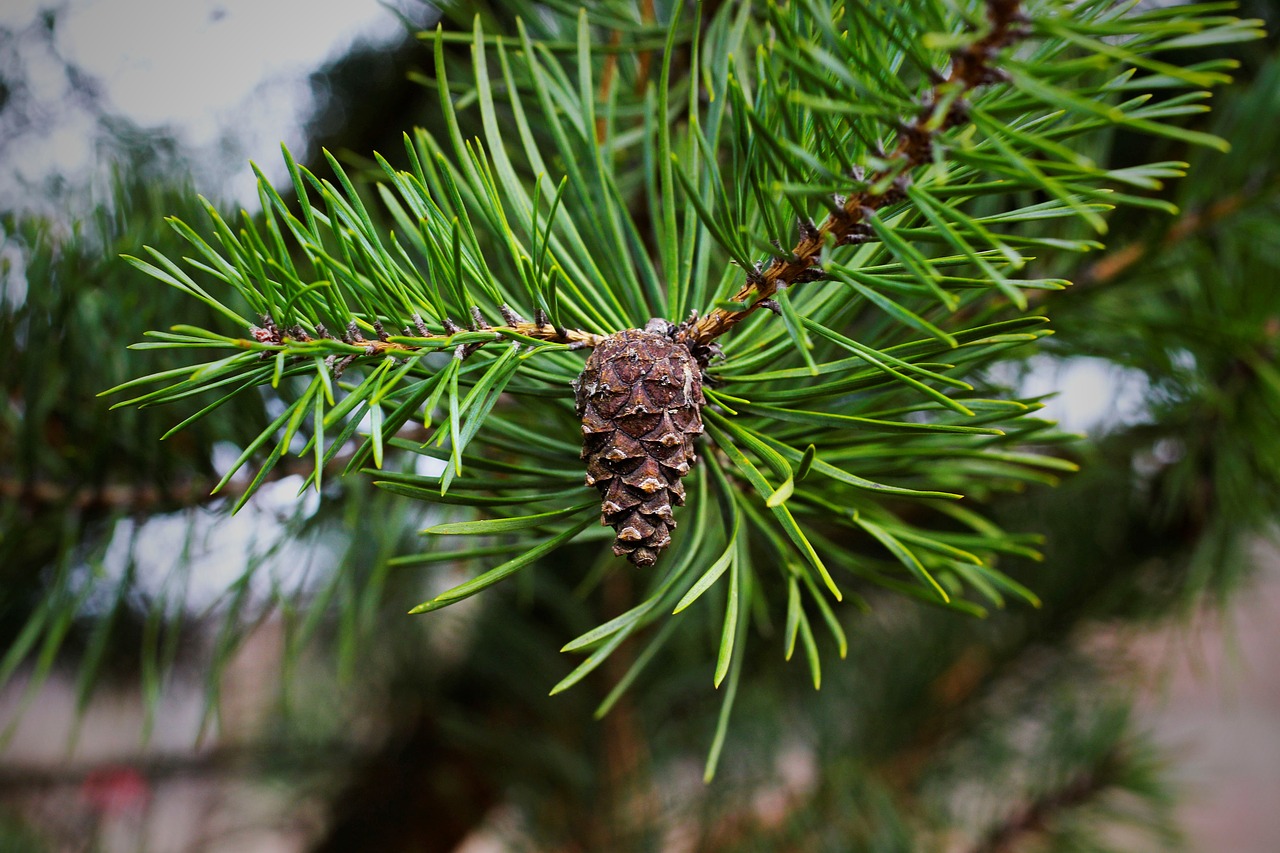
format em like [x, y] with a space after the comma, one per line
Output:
[942, 107]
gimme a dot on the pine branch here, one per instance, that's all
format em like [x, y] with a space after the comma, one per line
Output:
[271, 335]
[1115, 264]
[238, 759]
[1036, 815]
[942, 108]
[875, 392]
[40, 495]
[139, 498]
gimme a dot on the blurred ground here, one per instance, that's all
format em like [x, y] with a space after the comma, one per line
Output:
[1210, 693]
[1207, 688]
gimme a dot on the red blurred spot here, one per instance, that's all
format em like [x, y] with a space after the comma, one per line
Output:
[115, 790]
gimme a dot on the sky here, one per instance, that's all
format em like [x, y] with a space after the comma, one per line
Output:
[229, 78]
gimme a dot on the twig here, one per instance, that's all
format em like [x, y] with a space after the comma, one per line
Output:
[139, 498]
[1035, 816]
[540, 331]
[607, 74]
[645, 57]
[228, 760]
[543, 331]
[35, 496]
[970, 68]
[1114, 264]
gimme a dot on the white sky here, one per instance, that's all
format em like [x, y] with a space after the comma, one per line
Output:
[1091, 395]
[214, 71]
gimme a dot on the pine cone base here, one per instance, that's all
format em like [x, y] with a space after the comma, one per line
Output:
[640, 401]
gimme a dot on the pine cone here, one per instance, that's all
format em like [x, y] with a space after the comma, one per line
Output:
[640, 400]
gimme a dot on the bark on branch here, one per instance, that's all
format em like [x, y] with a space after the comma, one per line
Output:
[1036, 816]
[971, 68]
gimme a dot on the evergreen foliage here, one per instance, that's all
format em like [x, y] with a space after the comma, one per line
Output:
[881, 177]
[1186, 296]
[618, 165]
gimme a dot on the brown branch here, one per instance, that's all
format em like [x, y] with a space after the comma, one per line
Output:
[577, 338]
[228, 760]
[1036, 815]
[38, 495]
[645, 57]
[607, 74]
[1114, 264]
[970, 69]
[270, 334]
[139, 498]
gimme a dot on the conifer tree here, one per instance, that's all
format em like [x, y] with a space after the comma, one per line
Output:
[748, 270]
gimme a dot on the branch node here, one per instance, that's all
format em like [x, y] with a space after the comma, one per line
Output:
[898, 190]
[847, 223]
[341, 365]
[813, 273]
[510, 316]
[957, 115]
[268, 332]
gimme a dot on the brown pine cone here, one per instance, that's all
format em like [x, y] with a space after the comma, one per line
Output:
[640, 400]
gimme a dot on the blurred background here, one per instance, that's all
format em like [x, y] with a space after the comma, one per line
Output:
[175, 678]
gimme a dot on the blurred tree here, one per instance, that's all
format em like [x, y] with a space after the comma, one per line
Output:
[366, 97]
[941, 731]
